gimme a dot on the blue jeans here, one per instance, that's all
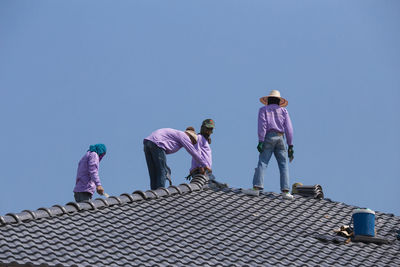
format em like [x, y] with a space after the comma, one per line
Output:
[273, 143]
[157, 165]
[82, 196]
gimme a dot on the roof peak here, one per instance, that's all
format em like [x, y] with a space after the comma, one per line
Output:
[196, 184]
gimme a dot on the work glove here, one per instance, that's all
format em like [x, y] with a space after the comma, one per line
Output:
[290, 153]
[260, 146]
[100, 190]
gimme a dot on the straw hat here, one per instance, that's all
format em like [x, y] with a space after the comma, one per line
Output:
[277, 94]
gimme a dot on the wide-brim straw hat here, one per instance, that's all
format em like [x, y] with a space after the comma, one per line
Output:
[274, 93]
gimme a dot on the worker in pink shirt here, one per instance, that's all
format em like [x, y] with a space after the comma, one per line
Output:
[273, 125]
[168, 141]
[203, 145]
[87, 177]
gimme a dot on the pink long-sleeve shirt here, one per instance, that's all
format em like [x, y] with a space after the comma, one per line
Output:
[204, 147]
[87, 177]
[274, 118]
[172, 140]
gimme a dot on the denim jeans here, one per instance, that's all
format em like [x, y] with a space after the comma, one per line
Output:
[273, 143]
[157, 164]
[82, 196]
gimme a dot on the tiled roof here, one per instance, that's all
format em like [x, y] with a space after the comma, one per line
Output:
[190, 226]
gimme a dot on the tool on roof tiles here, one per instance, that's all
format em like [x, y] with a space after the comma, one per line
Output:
[106, 195]
[345, 231]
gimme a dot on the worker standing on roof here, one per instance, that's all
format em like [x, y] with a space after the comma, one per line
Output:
[168, 141]
[87, 177]
[273, 124]
[203, 145]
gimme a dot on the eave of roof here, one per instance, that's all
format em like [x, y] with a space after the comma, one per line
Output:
[192, 225]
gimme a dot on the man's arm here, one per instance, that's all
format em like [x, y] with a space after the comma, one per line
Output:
[262, 125]
[288, 129]
[93, 165]
[187, 144]
[203, 147]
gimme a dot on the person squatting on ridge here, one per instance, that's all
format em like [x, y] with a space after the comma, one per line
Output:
[168, 141]
[203, 146]
[273, 123]
[87, 177]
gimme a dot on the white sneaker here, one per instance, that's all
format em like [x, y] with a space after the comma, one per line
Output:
[251, 192]
[287, 195]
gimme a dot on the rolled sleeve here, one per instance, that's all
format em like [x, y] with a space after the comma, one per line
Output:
[93, 166]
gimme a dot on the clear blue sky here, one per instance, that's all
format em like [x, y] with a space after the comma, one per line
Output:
[75, 73]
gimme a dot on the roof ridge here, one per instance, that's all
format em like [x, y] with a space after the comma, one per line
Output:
[196, 184]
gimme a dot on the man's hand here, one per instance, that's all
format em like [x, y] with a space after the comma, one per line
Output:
[100, 190]
[290, 153]
[208, 170]
[260, 146]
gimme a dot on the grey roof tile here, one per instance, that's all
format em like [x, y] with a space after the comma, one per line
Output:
[199, 228]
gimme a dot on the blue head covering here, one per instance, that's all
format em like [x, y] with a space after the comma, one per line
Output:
[98, 148]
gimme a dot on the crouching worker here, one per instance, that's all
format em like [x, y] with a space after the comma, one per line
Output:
[168, 141]
[203, 146]
[87, 177]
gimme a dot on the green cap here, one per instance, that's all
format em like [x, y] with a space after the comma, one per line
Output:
[209, 123]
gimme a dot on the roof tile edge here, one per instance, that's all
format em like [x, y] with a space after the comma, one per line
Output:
[73, 207]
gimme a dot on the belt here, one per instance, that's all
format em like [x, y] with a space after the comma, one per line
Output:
[278, 133]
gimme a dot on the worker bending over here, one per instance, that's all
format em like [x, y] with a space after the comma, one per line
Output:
[168, 141]
[87, 177]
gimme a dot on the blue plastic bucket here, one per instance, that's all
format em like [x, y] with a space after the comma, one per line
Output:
[364, 222]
